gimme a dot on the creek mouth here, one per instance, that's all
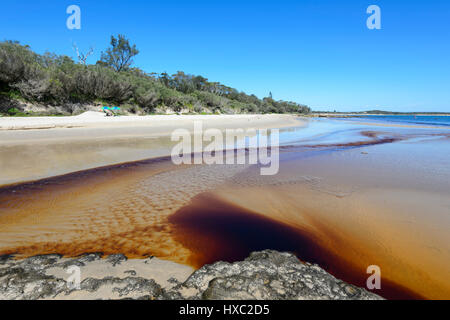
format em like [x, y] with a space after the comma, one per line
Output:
[152, 207]
[214, 230]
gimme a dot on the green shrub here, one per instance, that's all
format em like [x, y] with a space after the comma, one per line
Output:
[53, 79]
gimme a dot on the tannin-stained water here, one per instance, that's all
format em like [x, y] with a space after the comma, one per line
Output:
[214, 230]
[331, 204]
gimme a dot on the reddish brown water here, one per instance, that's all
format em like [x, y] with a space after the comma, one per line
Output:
[154, 208]
[214, 230]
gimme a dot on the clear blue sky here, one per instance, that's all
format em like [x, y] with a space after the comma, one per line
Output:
[315, 52]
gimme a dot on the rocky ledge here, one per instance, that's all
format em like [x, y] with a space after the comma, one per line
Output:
[264, 275]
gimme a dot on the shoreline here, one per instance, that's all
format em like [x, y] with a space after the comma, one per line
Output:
[30, 154]
[92, 119]
[392, 124]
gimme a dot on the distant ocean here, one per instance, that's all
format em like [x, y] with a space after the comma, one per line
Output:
[409, 119]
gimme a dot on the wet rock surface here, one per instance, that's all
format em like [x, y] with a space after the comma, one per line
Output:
[264, 275]
[267, 275]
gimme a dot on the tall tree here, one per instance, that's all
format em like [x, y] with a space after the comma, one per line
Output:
[120, 55]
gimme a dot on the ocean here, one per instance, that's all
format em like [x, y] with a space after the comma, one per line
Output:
[434, 120]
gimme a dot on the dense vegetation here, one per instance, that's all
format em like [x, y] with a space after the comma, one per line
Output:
[53, 80]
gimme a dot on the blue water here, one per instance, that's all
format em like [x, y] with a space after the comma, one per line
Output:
[408, 119]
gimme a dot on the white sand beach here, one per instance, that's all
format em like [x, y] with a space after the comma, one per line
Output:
[92, 119]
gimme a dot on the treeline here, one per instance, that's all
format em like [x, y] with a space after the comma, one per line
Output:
[54, 80]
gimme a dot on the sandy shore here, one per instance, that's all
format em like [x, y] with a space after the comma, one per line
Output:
[93, 119]
[41, 147]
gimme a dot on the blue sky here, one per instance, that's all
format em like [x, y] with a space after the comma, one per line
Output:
[315, 52]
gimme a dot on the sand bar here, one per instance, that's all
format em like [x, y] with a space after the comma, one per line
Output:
[41, 147]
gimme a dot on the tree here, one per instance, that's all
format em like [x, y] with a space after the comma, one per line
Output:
[165, 79]
[82, 57]
[120, 55]
[15, 62]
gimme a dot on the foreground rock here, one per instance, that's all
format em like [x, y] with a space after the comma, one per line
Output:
[115, 277]
[264, 275]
